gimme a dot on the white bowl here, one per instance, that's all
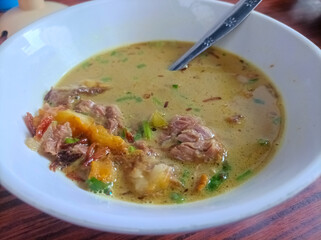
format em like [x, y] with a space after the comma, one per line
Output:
[35, 58]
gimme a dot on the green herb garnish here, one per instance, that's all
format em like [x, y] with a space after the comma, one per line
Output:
[131, 149]
[185, 175]
[70, 140]
[157, 101]
[253, 80]
[147, 131]
[97, 186]
[258, 101]
[219, 177]
[244, 175]
[138, 136]
[86, 65]
[106, 79]
[175, 86]
[215, 181]
[132, 97]
[141, 65]
[263, 142]
[113, 53]
[276, 120]
[177, 198]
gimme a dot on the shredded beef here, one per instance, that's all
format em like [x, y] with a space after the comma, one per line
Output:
[54, 137]
[90, 91]
[187, 139]
[109, 116]
[114, 118]
[69, 153]
[67, 157]
[56, 97]
[94, 153]
[142, 145]
[66, 97]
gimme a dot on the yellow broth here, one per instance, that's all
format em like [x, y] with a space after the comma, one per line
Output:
[215, 86]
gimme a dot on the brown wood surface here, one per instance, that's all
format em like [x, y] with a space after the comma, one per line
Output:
[297, 218]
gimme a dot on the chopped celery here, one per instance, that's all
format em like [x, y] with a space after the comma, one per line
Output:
[147, 130]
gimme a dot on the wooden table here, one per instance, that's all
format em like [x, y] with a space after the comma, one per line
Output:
[297, 218]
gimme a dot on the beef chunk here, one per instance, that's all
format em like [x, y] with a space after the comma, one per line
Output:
[68, 96]
[109, 116]
[56, 97]
[186, 139]
[142, 145]
[54, 137]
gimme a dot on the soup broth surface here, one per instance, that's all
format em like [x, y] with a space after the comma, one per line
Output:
[230, 96]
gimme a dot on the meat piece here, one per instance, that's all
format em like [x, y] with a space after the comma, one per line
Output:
[90, 90]
[48, 110]
[28, 119]
[114, 118]
[66, 97]
[202, 150]
[109, 116]
[187, 139]
[56, 97]
[179, 123]
[142, 145]
[94, 153]
[91, 108]
[64, 159]
[195, 134]
[69, 153]
[84, 106]
[79, 149]
[54, 137]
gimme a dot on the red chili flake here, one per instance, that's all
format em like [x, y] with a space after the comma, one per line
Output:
[29, 123]
[166, 104]
[212, 99]
[94, 153]
[188, 109]
[42, 127]
[129, 136]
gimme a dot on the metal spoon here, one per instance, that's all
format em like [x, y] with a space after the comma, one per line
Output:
[238, 13]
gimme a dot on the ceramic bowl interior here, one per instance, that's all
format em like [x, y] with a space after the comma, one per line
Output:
[35, 58]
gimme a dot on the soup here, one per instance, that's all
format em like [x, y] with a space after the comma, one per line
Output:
[120, 124]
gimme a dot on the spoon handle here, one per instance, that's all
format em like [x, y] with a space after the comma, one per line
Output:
[238, 13]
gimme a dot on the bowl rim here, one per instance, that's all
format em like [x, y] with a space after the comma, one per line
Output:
[300, 184]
